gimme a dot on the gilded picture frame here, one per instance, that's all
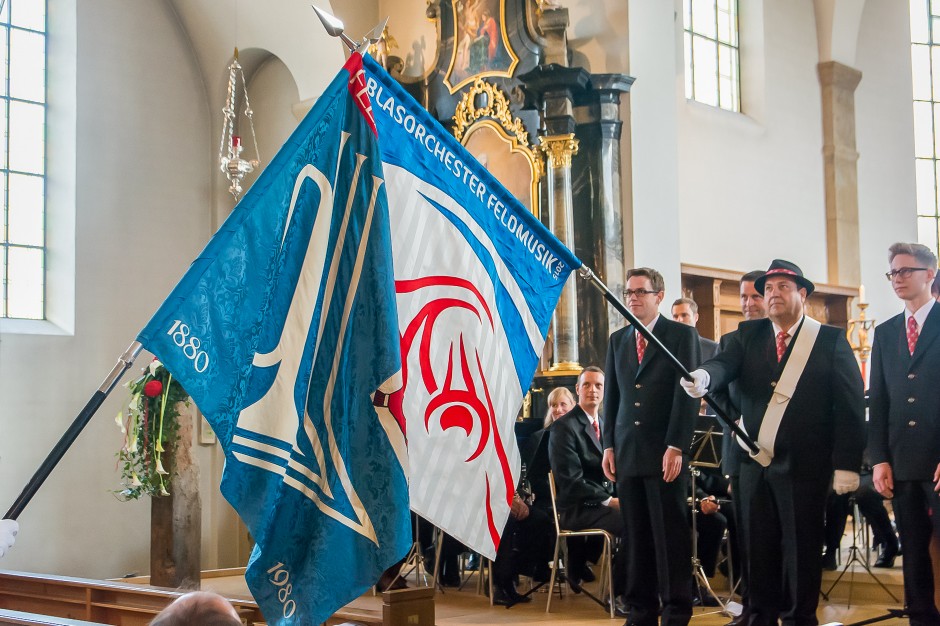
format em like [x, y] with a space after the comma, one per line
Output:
[481, 44]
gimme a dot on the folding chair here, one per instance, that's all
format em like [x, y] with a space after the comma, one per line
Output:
[606, 574]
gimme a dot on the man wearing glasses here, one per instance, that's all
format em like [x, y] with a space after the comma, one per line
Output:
[649, 425]
[904, 438]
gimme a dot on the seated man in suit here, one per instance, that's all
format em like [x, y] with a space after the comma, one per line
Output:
[584, 497]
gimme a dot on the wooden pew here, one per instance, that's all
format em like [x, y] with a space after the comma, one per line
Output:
[122, 604]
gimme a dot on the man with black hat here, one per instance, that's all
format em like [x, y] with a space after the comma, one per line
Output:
[802, 402]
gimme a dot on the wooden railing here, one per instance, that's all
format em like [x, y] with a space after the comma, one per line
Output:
[123, 604]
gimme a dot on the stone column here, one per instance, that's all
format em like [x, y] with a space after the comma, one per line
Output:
[610, 258]
[176, 519]
[558, 151]
[838, 83]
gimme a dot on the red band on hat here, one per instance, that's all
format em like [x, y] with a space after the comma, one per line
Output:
[780, 271]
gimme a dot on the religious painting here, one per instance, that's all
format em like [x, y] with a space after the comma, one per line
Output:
[481, 45]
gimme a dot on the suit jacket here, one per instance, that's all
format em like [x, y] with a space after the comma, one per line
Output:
[646, 409]
[905, 398]
[575, 457]
[709, 348]
[823, 427]
[729, 399]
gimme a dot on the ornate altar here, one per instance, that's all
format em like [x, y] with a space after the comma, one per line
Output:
[550, 133]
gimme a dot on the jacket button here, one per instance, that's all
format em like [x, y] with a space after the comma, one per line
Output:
[911, 376]
[636, 423]
[911, 400]
[773, 384]
[912, 423]
[639, 386]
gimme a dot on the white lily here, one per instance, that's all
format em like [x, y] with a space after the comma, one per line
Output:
[160, 469]
[153, 367]
[135, 481]
[119, 420]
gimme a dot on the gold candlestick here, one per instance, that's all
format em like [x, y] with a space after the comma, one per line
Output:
[857, 334]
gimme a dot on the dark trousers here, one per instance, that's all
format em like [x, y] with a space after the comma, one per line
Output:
[656, 531]
[710, 530]
[739, 560]
[913, 501]
[525, 545]
[784, 520]
[604, 518]
[871, 505]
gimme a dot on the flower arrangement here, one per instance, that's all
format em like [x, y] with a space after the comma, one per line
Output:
[149, 423]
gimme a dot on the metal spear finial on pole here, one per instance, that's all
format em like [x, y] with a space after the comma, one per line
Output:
[334, 28]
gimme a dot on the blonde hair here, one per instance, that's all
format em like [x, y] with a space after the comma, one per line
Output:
[556, 394]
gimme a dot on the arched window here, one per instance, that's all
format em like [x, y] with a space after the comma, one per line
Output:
[23, 161]
[712, 73]
[925, 62]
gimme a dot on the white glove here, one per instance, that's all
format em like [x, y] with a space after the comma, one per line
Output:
[8, 530]
[698, 386]
[844, 481]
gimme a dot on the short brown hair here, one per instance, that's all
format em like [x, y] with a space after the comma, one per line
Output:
[656, 279]
[935, 287]
[751, 276]
[919, 251]
[589, 368]
[689, 301]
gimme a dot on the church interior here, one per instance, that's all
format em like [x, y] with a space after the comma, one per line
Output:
[703, 138]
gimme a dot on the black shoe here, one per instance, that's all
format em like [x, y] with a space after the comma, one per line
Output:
[829, 561]
[450, 580]
[886, 555]
[574, 583]
[473, 563]
[587, 575]
[507, 596]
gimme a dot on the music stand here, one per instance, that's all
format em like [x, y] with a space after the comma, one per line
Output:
[855, 558]
[704, 454]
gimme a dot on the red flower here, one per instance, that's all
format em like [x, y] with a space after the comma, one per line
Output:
[153, 389]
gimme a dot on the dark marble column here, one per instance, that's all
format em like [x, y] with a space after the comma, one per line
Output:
[554, 88]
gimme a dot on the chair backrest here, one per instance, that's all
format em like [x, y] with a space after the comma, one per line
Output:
[551, 489]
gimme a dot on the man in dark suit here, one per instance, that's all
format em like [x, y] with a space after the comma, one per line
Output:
[584, 497]
[905, 420]
[753, 308]
[802, 400]
[649, 425]
[685, 311]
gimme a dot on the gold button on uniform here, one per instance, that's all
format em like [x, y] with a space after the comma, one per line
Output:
[911, 376]
[911, 400]
[636, 423]
[639, 386]
[773, 384]
[912, 423]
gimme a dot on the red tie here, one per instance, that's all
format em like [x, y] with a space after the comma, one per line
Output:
[912, 334]
[781, 345]
[597, 430]
[640, 347]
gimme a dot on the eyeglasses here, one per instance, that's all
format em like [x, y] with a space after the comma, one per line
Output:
[639, 293]
[904, 272]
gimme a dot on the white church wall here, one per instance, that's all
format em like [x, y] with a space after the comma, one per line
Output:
[751, 184]
[884, 119]
[140, 202]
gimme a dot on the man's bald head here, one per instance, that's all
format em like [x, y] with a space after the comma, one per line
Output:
[204, 608]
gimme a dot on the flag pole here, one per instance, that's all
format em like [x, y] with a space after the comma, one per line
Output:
[587, 274]
[67, 439]
[334, 28]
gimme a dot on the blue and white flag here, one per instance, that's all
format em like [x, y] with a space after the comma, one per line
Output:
[284, 331]
[477, 278]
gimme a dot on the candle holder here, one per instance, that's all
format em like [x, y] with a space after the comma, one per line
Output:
[230, 146]
[857, 334]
